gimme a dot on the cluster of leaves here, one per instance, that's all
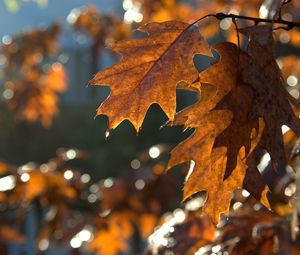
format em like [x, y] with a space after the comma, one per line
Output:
[44, 186]
[138, 202]
[211, 29]
[31, 79]
[67, 203]
[254, 231]
[103, 28]
[164, 10]
[66, 209]
[182, 232]
[249, 228]
[241, 109]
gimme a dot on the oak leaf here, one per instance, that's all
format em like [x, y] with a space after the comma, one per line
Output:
[224, 137]
[271, 101]
[198, 147]
[220, 191]
[149, 71]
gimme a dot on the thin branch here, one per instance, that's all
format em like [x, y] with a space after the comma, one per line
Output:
[284, 2]
[237, 32]
[220, 16]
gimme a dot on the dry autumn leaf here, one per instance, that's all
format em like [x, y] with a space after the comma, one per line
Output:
[270, 100]
[234, 117]
[224, 136]
[149, 71]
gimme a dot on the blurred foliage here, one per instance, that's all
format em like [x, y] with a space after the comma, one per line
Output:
[73, 208]
[30, 76]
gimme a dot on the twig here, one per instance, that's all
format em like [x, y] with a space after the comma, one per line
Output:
[284, 2]
[220, 16]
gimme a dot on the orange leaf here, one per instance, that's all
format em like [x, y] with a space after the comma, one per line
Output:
[224, 138]
[149, 71]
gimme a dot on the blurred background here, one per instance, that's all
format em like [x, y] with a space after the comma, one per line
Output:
[74, 126]
[68, 186]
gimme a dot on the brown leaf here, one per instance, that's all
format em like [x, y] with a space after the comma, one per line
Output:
[241, 132]
[216, 82]
[224, 136]
[220, 191]
[198, 147]
[271, 101]
[149, 71]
